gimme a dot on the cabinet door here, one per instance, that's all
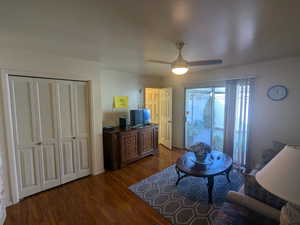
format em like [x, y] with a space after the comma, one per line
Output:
[47, 122]
[28, 153]
[67, 131]
[129, 147]
[146, 140]
[82, 128]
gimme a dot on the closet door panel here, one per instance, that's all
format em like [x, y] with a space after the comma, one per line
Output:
[49, 160]
[66, 110]
[24, 108]
[50, 165]
[29, 163]
[67, 130]
[47, 109]
[23, 99]
[47, 105]
[68, 155]
[82, 127]
[82, 108]
[83, 154]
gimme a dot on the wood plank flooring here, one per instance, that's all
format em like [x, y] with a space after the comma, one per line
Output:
[103, 199]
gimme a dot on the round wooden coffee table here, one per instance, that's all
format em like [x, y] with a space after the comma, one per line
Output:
[219, 164]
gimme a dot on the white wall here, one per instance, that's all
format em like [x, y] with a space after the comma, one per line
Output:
[272, 120]
[116, 83]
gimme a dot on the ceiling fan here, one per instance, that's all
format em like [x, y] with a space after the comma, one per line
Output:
[180, 66]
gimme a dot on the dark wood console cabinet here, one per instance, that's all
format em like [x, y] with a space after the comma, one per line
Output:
[124, 146]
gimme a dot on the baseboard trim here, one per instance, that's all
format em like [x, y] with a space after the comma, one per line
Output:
[97, 172]
[9, 203]
[3, 217]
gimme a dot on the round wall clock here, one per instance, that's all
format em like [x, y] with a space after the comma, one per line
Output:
[277, 92]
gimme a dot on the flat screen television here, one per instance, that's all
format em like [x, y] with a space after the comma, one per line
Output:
[136, 117]
[139, 117]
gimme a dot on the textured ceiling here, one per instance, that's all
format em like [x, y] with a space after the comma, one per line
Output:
[121, 34]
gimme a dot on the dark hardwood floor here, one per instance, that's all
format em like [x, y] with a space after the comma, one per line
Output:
[103, 199]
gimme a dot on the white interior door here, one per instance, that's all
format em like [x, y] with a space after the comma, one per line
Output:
[165, 125]
[82, 128]
[26, 134]
[67, 131]
[47, 122]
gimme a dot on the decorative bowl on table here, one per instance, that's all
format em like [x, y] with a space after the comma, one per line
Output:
[202, 153]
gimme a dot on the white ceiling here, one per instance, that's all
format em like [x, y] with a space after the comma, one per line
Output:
[121, 34]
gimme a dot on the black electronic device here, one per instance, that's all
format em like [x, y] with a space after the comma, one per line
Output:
[123, 122]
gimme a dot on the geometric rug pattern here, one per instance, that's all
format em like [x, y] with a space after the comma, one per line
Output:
[186, 203]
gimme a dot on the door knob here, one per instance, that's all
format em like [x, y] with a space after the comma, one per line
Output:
[73, 137]
[39, 143]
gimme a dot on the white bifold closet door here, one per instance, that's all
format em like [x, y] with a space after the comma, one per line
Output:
[51, 130]
[73, 130]
[27, 147]
[82, 128]
[47, 132]
[67, 131]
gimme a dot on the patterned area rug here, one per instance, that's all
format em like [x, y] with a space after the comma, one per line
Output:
[186, 204]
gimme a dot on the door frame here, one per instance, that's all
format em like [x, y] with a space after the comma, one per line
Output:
[215, 84]
[8, 126]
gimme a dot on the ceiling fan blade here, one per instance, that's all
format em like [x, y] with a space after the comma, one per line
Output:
[205, 62]
[158, 61]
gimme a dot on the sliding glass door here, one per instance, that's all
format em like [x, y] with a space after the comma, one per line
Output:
[204, 116]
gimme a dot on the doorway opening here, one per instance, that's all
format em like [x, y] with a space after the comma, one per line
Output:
[205, 116]
[152, 102]
[159, 101]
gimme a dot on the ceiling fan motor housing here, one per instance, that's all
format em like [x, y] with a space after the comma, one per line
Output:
[180, 62]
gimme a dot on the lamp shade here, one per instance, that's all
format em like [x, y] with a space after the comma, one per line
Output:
[281, 176]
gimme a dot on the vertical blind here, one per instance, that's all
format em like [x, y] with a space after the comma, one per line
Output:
[238, 119]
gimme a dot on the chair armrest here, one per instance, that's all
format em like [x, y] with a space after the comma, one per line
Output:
[253, 204]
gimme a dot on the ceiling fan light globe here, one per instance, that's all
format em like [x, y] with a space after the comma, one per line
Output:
[180, 70]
